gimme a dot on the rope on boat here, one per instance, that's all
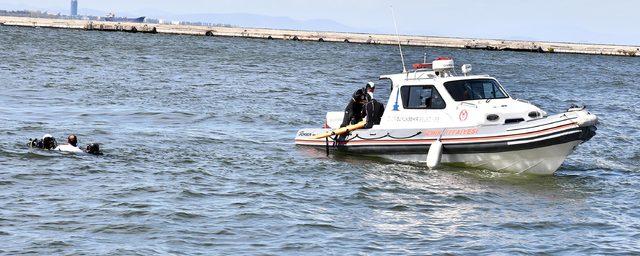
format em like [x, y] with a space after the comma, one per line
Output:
[404, 138]
[382, 137]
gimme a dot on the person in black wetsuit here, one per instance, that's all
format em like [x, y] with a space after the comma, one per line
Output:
[48, 142]
[354, 112]
[374, 111]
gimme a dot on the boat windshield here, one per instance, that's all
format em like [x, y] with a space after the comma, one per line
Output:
[477, 89]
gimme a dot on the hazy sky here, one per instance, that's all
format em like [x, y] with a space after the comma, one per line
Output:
[611, 21]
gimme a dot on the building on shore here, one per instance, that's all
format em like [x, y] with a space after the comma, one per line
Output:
[74, 8]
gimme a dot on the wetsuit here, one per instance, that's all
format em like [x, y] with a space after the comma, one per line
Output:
[354, 112]
[374, 111]
[47, 143]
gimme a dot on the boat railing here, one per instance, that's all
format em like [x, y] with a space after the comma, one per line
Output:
[418, 74]
[469, 104]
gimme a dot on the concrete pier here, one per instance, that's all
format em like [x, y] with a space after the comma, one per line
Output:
[299, 35]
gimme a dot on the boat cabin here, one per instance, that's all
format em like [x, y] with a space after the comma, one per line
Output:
[434, 95]
[433, 116]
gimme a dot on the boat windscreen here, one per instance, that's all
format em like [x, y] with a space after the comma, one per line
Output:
[477, 89]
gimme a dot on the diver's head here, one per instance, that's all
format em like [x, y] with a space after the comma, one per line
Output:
[48, 142]
[93, 149]
[370, 87]
[72, 140]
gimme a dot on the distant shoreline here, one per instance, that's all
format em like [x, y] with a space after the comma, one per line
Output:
[318, 36]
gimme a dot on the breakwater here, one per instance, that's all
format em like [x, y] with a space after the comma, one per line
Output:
[300, 35]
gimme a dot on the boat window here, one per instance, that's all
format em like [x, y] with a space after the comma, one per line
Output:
[421, 97]
[478, 89]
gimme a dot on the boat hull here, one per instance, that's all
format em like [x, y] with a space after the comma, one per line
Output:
[538, 147]
[542, 160]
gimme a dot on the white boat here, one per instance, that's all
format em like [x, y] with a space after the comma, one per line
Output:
[436, 116]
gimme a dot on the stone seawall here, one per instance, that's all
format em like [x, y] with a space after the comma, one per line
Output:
[299, 35]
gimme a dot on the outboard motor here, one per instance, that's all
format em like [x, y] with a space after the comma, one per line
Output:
[93, 148]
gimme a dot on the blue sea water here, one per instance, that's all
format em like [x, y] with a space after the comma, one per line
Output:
[199, 155]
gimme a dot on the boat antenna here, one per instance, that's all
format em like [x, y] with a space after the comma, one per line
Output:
[393, 14]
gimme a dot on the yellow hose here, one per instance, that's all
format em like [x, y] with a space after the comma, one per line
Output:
[342, 130]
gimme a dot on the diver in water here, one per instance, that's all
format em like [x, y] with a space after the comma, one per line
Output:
[354, 112]
[72, 146]
[93, 148]
[48, 142]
